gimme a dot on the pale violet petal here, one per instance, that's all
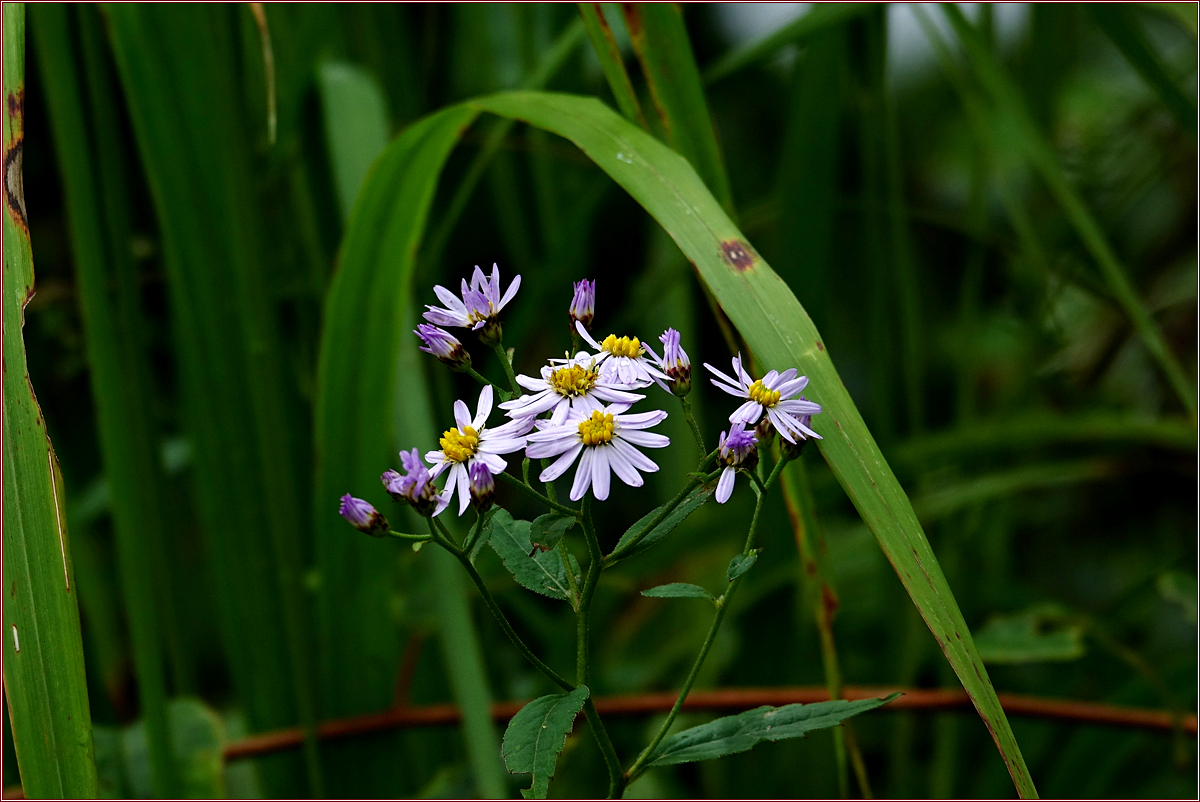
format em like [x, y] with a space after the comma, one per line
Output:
[600, 472]
[560, 465]
[725, 485]
[484, 408]
[583, 475]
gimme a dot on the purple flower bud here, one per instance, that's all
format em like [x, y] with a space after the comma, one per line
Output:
[483, 487]
[415, 486]
[739, 449]
[675, 363]
[444, 346]
[362, 516]
[583, 304]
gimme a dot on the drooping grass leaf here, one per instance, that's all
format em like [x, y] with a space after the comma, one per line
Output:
[537, 733]
[741, 733]
[541, 571]
[1036, 635]
[44, 681]
[678, 590]
[356, 125]
[661, 528]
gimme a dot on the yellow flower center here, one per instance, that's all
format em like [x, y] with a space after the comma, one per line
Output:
[573, 380]
[459, 446]
[623, 346]
[759, 393]
[597, 430]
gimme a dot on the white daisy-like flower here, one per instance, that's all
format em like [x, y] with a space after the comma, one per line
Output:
[605, 438]
[479, 306]
[774, 394]
[471, 441]
[623, 359]
[575, 384]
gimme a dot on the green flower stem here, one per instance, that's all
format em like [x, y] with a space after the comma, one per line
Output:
[529, 491]
[616, 781]
[479, 377]
[443, 540]
[695, 427]
[406, 536]
[572, 583]
[657, 519]
[508, 368]
[473, 536]
[640, 765]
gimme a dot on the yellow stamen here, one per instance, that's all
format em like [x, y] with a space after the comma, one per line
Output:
[573, 380]
[759, 393]
[459, 446]
[624, 346]
[597, 430]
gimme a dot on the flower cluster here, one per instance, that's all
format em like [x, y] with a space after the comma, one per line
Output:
[576, 411]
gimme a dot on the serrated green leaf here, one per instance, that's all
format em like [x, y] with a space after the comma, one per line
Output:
[1032, 636]
[678, 590]
[543, 572]
[546, 530]
[740, 564]
[740, 733]
[537, 733]
[693, 502]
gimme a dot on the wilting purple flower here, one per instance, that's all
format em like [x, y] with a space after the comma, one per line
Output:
[443, 345]
[583, 304]
[478, 307]
[362, 516]
[675, 364]
[738, 450]
[415, 486]
[774, 394]
[483, 487]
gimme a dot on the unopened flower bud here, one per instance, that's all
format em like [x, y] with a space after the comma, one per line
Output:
[444, 346]
[414, 487]
[764, 432]
[583, 304]
[362, 516]
[675, 363]
[483, 487]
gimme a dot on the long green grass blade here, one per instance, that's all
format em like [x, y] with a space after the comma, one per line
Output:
[1008, 101]
[661, 42]
[108, 294]
[816, 21]
[242, 409]
[778, 329]
[609, 54]
[44, 680]
[356, 125]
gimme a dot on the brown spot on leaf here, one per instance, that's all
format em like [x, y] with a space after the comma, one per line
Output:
[738, 253]
[633, 18]
[810, 567]
[829, 603]
[16, 105]
[820, 346]
[14, 185]
[13, 590]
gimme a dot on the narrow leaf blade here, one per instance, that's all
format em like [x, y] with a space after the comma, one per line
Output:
[666, 526]
[678, 590]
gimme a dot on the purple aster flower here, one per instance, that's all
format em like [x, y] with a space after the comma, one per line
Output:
[415, 486]
[479, 306]
[483, 487]
[583, 304]
[443, 345]
[675, 364]
[775, 394]
[737, 451]
[622, 359]
[362, 516]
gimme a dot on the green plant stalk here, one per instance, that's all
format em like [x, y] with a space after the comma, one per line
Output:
[820, 598]
[485, 381]
[723, 604]
[44, 677]
[442, 537]
[583, 648]
[695, 427]
[529, 491]
[609, 55]
[502, 355]
[1041, 155]
[121, 393]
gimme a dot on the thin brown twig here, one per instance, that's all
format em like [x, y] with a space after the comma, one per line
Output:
[727, 699]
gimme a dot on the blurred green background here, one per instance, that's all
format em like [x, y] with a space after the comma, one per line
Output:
[205, 174]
